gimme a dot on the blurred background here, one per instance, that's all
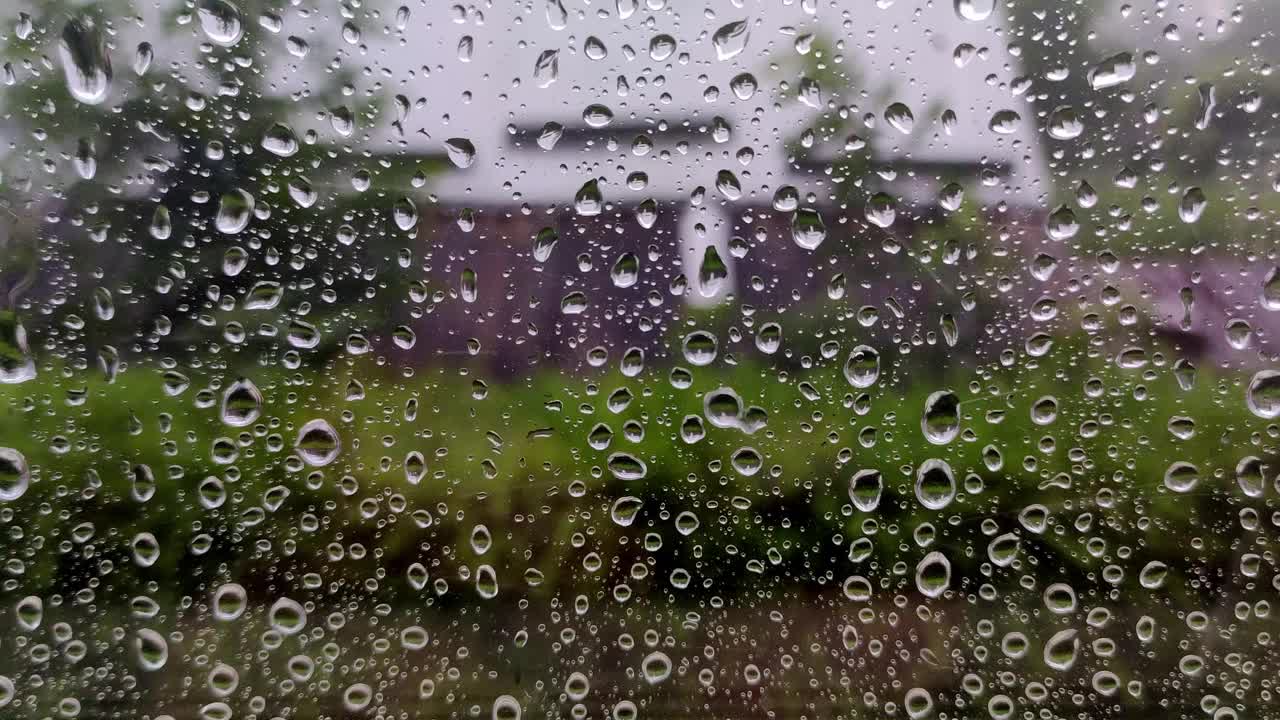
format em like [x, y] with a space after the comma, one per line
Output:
[614, 359]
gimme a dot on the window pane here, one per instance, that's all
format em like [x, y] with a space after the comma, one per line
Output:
[638, 359]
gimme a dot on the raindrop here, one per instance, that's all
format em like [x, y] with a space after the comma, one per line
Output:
[1208, 102]
[221, 22]
[656, 667]
[546, 69]
[699, 348]
[557, 16]
[235, 209]
[881, 210]
[29, 612]
[935, 484]
[661, 47]
[151, 648]
[404, 213]
[1192, 205]
[229, 602]
[712, 273]
[862, 367]
[85, 62]
[731, 39]
[940, 422]
[626, 271]
[594, 48]
[1263, 395]
[1005, 122]
[15, 476]
[1064, 123]
[486, 582]
[899, 117]
[287, 616]
[505, 707]
[318, 443]
[280, 141]
[807, 229]
[933, 574]
[626, 466]
[625, 509]
[1061, 650]
[462, 153]
[974, 10]
[865, 488]
[588, 201]
[1114, 70]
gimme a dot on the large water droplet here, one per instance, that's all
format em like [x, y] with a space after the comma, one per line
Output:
[731, 39]
[229, 602]
[546, 69]
[712, 273]
[974, 10]
[1061, 649]
[461, 151]
[900, 118]
[940, 422]
[241, 403]
[221, 22]
[16, 363]
[280, 141]
[1064, 123]
[152, 649]
[1263, 396]
[235, 209]
[15, 476]
[933, 574]
[85, 62]
[287, 616]
[656, 667]
[807, 229]
[1114, 70]
[865, 488]
[318, 443]
[935, 484]
[862, 367]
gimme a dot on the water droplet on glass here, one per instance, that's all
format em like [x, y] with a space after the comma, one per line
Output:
[933, 574]
[280, 141]
[16, 363]
[241, 403]
[940, 422]
[807, 229]
[461, 152]
[1005, 122]
[974, 10]
[151, 648]
[865, 488]
[900, 118]
[86, 66]
[15, 476]
[935, 484]
[318, 443]
[1061, 650]
[546, 69]
[731, 39]
[221, 22]
[1114, 70]
[235, 209]
[287, 616]
[229, 602]
[1064, 123]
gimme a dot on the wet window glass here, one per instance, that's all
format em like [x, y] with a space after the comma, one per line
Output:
[639, 359]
